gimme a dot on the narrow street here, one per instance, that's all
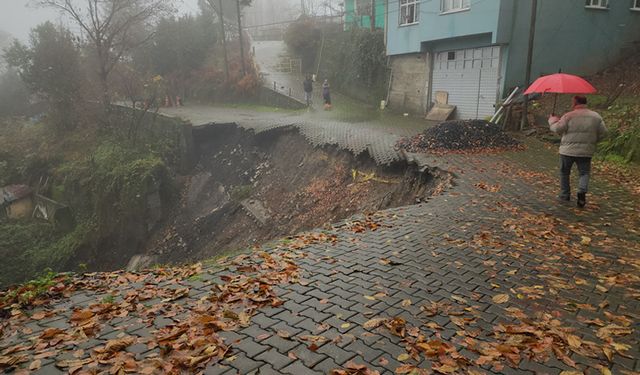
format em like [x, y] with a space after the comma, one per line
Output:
[240, 238]
[469, 269]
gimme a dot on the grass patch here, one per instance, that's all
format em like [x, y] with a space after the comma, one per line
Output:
[622, 146]
[38, 288]
[109, 300]
[242, 192]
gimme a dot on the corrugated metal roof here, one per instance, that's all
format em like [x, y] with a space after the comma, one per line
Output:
[14, 193]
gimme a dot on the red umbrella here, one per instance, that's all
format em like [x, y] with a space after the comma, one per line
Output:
[560, 83]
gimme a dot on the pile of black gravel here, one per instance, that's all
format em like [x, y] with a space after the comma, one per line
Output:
[460, 135]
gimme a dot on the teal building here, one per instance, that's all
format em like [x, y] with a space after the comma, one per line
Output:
[358, 13]
[474, 52]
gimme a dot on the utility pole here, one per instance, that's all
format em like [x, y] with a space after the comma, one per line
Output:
[241, 39]
[224, 38]
[532, 36]
[372, 18]
[303, 8]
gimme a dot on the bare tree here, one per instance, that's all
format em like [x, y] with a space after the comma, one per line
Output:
[112, 27]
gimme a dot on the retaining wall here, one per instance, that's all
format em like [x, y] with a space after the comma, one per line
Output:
[272, 98]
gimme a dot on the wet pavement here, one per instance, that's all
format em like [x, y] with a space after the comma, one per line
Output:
[490, 275]
[493, 271]
[377, 137]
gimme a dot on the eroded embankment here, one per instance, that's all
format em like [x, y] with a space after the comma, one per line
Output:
[250, 188]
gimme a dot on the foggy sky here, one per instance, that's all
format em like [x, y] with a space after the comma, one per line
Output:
[18, 19]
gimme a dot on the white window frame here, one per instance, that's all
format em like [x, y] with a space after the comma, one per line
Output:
[405, 5]
[635, 5]
[597, 4]
[454, 6]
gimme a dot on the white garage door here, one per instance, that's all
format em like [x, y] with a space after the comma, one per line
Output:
[471, 77]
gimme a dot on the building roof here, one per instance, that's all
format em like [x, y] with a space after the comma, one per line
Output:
[14, 193]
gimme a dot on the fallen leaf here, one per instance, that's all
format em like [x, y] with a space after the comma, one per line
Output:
[459, 299]
[374, 323]
[574, 341]
[119, 344]
[35, 365]
[500, 298]
[39, 315]
[50, 333]
[444, 369]
[81, 315]
[403, 357]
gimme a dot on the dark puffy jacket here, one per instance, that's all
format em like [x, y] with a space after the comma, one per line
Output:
[308, 85]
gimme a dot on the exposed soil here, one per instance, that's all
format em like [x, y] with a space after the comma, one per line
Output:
[250, 188]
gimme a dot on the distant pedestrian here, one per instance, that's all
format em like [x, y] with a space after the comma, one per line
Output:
[326, 94]
[581, 130]
[308, 90]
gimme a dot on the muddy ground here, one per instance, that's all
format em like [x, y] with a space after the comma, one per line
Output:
[250, 188]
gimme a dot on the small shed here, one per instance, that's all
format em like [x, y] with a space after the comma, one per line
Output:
[16, 201]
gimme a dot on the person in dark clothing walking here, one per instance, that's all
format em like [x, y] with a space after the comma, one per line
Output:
[326, 94]
[308, 90]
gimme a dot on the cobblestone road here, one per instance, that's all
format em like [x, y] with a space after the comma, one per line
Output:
[378, 138]
[443, 266]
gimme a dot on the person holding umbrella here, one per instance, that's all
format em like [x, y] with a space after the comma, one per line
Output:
[581, 130]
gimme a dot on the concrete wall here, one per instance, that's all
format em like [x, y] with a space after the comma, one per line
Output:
[409, 85]
[570, 37]
[482, 18]
[273, 98]
[351, 18]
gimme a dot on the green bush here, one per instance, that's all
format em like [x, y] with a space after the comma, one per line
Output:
[107, 189]
[623, 122]
[356, 61]
[304, 38]
[353, 61]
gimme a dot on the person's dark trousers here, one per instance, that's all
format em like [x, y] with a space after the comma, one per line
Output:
[584, 169]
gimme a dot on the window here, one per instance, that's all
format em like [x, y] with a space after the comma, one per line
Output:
[409, 12]
[636, 5]
[455, 5]
[599, 4]
[472, 58]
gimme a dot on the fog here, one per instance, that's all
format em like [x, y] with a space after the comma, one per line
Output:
[18, 17]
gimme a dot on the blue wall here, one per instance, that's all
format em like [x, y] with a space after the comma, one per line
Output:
[482, 18]
[569, 37]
